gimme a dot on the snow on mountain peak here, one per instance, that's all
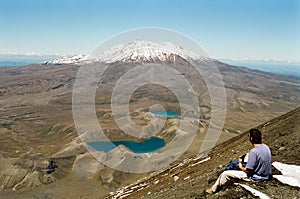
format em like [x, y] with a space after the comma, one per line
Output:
[68, 59]
[134, 51]
[141, 51]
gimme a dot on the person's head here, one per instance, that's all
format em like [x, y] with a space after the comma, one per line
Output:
[255, 136]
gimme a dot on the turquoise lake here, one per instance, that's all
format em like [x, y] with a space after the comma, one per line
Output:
[147, 146]
[166, 114]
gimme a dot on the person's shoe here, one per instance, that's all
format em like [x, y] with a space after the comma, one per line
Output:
[209, 191]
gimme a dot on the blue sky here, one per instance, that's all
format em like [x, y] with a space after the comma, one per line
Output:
[254, 29]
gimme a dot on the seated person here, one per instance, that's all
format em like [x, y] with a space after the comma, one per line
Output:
[258, 167]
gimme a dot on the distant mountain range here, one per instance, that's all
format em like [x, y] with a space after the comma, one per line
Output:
[291, 68]
[135, 50]
[139, 51]
[8, 60]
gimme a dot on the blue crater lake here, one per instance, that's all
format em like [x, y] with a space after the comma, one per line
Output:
[147, 146]
[166, 114]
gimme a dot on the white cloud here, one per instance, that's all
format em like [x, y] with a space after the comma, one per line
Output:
[29, 54]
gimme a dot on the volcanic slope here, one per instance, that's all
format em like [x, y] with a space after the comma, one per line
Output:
[189, 178]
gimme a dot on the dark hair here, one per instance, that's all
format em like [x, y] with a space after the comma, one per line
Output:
[255, 134]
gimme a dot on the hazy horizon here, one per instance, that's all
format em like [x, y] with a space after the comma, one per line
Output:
[274, 66]
[230, 29]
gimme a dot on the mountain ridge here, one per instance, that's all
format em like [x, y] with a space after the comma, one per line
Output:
[133, 51]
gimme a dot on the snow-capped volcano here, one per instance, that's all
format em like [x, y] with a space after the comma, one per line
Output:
[135, 51]
[143, 51]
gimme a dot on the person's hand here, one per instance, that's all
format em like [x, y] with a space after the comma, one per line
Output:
[241, 166]
[240, 160]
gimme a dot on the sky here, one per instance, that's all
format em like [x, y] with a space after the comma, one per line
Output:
[232, 29]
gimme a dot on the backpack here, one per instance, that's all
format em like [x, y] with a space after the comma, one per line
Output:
[234, 165]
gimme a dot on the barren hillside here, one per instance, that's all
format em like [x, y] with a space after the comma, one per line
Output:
[36, 122]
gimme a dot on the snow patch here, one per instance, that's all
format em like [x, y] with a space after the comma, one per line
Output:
[290, 173]
[254, 191]
[127, 190]
[176, 178]
[68, 59]
[204, 160]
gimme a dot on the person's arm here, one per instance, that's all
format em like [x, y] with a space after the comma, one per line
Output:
[247, 170]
